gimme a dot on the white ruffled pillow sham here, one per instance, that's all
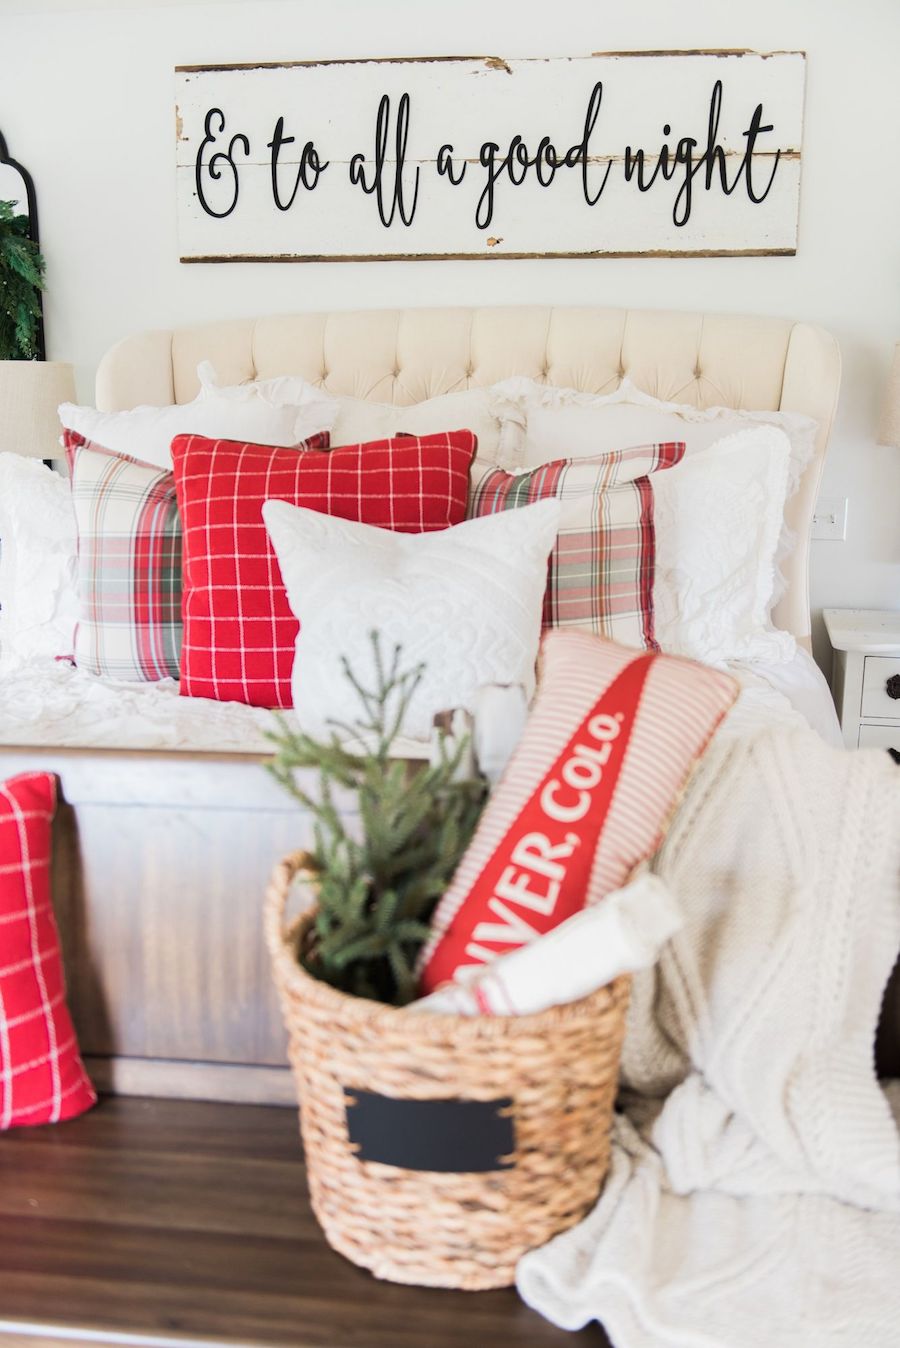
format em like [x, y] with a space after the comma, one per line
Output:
[717, 526]
[540, 423]
[283, 412]
[355, 421]
[38, 582]
[464, 602]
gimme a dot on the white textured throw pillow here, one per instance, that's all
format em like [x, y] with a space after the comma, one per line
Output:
[718, 523]
[268, 412]
[465, 602]
[38, 581]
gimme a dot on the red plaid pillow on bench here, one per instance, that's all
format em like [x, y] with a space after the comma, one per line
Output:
[42, 1079]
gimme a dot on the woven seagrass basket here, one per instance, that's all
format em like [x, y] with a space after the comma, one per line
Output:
[550, 1079]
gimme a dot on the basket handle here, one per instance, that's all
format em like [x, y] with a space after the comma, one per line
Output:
[277, 893]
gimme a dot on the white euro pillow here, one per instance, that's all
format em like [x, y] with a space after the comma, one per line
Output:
[38, 577]
[465, 602]
[283, 412]
[718, 523]
[539, 423]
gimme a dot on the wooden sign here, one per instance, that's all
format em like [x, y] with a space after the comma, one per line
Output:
[617, 155]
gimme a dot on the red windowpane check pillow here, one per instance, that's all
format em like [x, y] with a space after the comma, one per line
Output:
[42, 1079]
[601, 568]
[239, 631]
[610, 742]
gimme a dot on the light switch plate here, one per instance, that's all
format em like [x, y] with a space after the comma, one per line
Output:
[830, 519]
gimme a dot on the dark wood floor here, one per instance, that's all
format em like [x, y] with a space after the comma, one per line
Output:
[168, 1219]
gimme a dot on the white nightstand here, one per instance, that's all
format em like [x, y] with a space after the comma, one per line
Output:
[865, 677]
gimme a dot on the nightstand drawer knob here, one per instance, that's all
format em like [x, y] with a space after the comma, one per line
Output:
[892, 686]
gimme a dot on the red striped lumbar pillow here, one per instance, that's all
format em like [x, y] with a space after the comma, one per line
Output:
[585, 798]
[42, 1079]
[601, 569]
[239, 630]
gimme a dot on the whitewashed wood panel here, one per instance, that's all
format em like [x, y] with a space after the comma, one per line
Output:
[653, 153]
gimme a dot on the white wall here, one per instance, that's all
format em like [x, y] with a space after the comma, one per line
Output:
[86, 102]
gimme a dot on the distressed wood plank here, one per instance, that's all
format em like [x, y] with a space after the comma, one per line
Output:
[159, 869]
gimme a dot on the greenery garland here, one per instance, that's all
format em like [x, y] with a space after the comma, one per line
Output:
[21, 282]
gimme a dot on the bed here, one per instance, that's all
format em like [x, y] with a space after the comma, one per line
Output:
[170, 823]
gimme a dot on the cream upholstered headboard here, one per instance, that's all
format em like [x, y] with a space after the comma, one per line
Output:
[404, 356]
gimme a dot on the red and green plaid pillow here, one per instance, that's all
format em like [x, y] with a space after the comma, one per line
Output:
[129, 564]
[601, 567]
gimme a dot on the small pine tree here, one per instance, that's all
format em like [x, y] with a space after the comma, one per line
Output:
[377, 887]
[21, 283]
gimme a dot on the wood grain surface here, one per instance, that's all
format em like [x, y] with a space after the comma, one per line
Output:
[185, 1222]
[160, 863]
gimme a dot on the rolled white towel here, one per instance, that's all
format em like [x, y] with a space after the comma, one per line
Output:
[624, 932]
[501, 711]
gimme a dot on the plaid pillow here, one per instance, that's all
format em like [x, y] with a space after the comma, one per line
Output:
[239, 630]
[129, 564]
[601, 569]
[42, 1078]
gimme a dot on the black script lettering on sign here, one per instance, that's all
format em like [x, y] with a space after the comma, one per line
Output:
[217, 162]
[689, 163]
[545, 162]
[393, 200]
[712, 160]
[308, 174]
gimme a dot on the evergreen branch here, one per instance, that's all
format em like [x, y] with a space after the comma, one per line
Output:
[379, 882]
[402, 969]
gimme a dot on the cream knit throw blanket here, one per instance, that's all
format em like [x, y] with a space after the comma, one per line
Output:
[754, 1194]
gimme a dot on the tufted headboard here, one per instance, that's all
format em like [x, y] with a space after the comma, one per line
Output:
[404, 356]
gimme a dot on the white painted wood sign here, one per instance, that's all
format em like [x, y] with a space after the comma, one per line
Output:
[619, 155]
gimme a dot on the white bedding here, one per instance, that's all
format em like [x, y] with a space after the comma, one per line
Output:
[801, 683]
[48, 703]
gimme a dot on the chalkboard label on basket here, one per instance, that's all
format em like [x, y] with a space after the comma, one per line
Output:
[452, 1136]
